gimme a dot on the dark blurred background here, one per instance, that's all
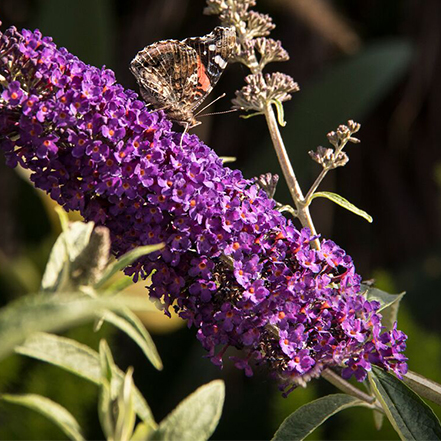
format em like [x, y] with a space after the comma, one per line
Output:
[372, 61]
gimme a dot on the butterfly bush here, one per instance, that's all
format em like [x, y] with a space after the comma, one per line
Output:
[233, 266]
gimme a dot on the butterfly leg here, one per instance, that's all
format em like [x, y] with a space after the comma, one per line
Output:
[187, 125]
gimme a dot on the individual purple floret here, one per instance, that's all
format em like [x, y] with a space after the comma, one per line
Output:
[233, 266]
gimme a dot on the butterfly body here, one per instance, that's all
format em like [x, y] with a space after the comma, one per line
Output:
[176, 76]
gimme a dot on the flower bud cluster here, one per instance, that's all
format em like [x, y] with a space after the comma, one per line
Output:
[268, 183]
[329, 158]
[255, 51]
[232, 266]
[263, 89]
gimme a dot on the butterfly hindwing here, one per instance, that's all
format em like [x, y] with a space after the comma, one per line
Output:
[164, 70]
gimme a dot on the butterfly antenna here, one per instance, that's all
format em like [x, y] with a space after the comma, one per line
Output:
[208, 105]
[218, 113]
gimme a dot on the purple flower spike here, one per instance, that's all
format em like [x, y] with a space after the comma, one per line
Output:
[233, 266]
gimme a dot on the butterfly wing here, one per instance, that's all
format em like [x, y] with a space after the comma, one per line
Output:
[165, 71]
[213, 52]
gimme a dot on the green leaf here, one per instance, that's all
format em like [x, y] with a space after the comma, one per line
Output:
[105, 410]
[80, 360]
[109, 404]
[141, 433]
[119, 285]
[280, 113]
[64, 218]
[129, 323]
[125, 261]
[251, 115]
[51, 410]
[423, 386]
[42, 312]
[410, 416]
[108, 366]
[307, 418]
[125, 422]
[378, 419]
[68, 246]
[53, 313]
[337, 199]
[226, 159]
[196, 417]
[389, 303]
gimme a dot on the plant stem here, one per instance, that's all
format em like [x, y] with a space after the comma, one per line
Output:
[288, 172]
[346, 387]
[315, 185]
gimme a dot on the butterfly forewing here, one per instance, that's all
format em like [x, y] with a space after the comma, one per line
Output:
[213, 52]
[176, 76]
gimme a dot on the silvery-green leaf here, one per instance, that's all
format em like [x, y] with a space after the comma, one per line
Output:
[307, 418]
[43, 312]
[389, 303]
[141, 433]
[339, 200]
[423, 386]
[68, 245]
[125, 261]
[80, 360]
[125, 422]
[129, 323]
[196, 417]
[51, 410]
[410, 416]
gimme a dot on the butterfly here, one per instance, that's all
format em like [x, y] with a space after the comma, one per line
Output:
[176, 76]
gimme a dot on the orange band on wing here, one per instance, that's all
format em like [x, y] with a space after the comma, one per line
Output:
[204, 81]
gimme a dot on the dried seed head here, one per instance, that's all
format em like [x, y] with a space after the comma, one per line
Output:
[327, 158]
[261, 90]
[333, 138]
[215, 7]
[268, 183]
[259, 25]
[322, 156]
[270, 50]
[354, 127]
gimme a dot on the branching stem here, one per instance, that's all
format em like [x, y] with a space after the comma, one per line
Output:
[288, 172]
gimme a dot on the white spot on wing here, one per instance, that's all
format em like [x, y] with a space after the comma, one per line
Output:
[220, 61]
[212, 47]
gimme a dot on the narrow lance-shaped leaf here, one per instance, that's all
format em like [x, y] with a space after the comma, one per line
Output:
[339, 200]
[41, 312]
[125, 261]
[119, 285]
[125, 422]
[80, 360]
[64, 218]
[196, 417]
[141, 433]
[410, 416]
[106, 410]
[307, 418]
[51, 410]
[69, 244]
[52, 313]
[129, 323]
[280, 113]
[389, 304]
[423, 386]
